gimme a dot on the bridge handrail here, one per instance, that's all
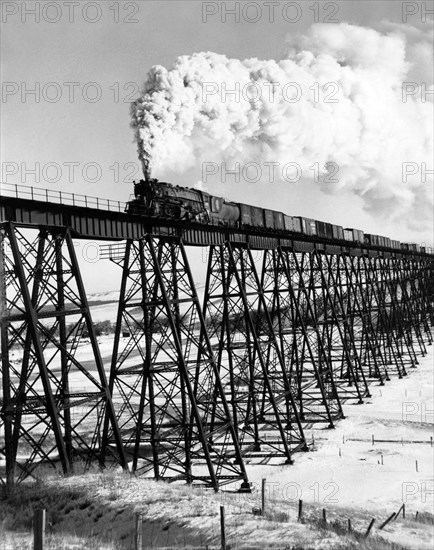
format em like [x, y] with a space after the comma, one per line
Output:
[73, 199]
[59, 197]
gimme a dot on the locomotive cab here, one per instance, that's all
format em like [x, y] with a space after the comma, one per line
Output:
[141, 201]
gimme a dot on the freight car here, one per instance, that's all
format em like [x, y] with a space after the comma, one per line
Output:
[354, 235]
[164, 200]
[413, 247]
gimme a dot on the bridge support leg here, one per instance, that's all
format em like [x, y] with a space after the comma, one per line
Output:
[338, 317]
[298, 335]
[172, 410]
[360, 318]
[52, 405]
[249, 357]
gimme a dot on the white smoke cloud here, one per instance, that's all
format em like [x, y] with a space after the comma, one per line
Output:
[350, 111]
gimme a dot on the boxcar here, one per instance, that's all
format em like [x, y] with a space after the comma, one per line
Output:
[289, 222]
[251, 215]
[257, 216]
[279, 221]
[301, 222]
[269, 218]
[321, 229]
[338, 232]
[348, 235]
[308, 226]
[373, 240]
[356, 235]
[329, 230]
[245, 214]
[296, 222]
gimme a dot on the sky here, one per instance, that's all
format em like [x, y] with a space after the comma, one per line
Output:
[87, 61]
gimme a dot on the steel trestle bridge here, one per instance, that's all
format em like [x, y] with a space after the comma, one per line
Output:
[201, 382]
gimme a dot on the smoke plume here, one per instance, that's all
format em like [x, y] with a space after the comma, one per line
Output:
[345, 94]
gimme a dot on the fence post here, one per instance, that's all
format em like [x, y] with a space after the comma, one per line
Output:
[369, 528]
[38, 529]
[349, 526]
[138, 532]
[300, 510]
[263, 497]
[222, 527]
[383, 525]
[402, 508]
[324, 515]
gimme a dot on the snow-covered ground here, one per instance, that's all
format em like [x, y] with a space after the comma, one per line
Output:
[378, 476]
[377, 458]
[352, 471]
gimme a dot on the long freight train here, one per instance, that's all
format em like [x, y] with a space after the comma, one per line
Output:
[164, 200]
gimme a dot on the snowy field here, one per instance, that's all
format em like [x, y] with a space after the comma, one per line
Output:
[377, 458]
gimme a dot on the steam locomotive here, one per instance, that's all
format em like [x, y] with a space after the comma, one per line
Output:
[164, 200]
